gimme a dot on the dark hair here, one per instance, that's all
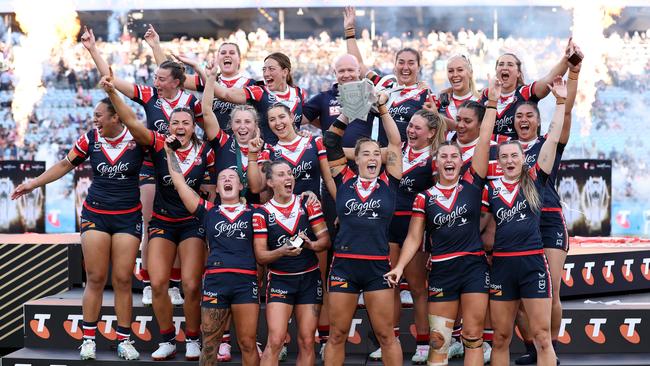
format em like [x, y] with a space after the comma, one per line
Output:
[269, 165]
[236, 49]
[449, 143]
[478, 108]
[520, 78]
[177, 70]
[285, 108]
[526, 182]
[411, 50]
[190, 111]
[362, 141]
[284, 62]
[535, 108]
[109, 105]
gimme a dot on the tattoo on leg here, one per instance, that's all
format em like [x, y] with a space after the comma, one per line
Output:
[213, 323]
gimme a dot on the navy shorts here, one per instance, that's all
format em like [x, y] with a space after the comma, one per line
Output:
[553, 229]
[127, 223]
[304, 288]
[354, 276]
[175, 232]
[520, 277]
[220, 290]
[147, 175]
[451, 278]
[398, 229]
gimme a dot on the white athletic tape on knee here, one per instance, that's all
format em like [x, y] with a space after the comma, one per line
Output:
[442, 326]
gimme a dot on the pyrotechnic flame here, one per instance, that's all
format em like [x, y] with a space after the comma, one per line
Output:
[47, 24]
[590, 19]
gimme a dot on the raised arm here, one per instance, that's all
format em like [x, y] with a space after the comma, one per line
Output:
[254, 175]
[333, 141]
[394, 149]
[210, 122]
[153, 40]
[542, 85]
[189, 197]
[57, 171]
[190, 83]
[572, 90]
[140, 133]
[88, 41]
[547, 153]
[349, 18]
[481, 154]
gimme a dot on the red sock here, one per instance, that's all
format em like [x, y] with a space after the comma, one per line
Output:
[422, 339]
[175, 275]
[145, 276]
[396, 331]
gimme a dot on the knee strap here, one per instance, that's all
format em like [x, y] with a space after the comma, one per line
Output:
[440, 326]
[472, 343]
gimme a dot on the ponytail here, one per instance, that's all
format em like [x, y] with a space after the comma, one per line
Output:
[529, 190]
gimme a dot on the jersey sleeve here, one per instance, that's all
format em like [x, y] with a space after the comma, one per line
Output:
[472, 178]
[157, 140]
[211, 171]
[344, 176]
[311, 108]
[419, 206]
[314, 213]
[254, 93]
[528, 92]
[259, 225]
[320, 147]
[538, 175]
[198, 110]
[485, 202]
[82, 146]
[202, 209]
[220, 140]
[142, 94]
[200, 87]
[264, 156]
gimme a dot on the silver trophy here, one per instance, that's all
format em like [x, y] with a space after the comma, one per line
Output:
[356, 98]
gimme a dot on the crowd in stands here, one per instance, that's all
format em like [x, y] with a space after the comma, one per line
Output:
[71, 78]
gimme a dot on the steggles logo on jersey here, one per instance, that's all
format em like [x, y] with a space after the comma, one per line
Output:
[105, 169]
[229, 228]
[361, 208]
[161, 126]
[506, 215]
[304, 166]
[407, 182]
[449, 219]
[530, 159]
[220, 106]
[401, 109]
[286, 239]
[167, 181]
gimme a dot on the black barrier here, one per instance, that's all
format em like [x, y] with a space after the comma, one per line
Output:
[585, 189]
[27, 213]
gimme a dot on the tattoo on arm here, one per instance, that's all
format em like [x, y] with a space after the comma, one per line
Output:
[391, 159]
[174, 163]
[213, 324]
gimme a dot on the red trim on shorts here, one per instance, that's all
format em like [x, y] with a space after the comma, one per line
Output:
[518, 254]
[113, 212]
[442, 257]
[362, 256]
[403, 213]
[230, 270]
[170, 219]
[315, 267]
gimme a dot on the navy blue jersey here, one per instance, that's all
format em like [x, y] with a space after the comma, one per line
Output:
[507, 106]
[303, 155]
[402, 105]
[532, 149]
[452, 216]
[229, 232]
[279, 223]
[262, 98]
[467, 150]
[221, 108]
[225, 153]
[326, 107]
[517, 224]
[195, 164]
[116, 166]
[451, 110]
[418, 168]
[159, 109]
[365, 210]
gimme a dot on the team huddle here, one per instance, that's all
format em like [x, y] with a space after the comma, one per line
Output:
[452, 191]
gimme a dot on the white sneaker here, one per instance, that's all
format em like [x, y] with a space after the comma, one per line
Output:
[284, 352]
[421, 355]
[126, 350]
[376, 355]
[146, 296]
[259, 348]
[361, 303]
[192, 350]
[455, 349]
[165, 351]
[406, 298]
[487, 353]
[175, 295]
[223, 355]
[87, 349]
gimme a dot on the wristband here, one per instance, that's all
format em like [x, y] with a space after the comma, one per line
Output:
[491, 104]
[382, 109]
[491, 107]
[339, 124]
[560, 100]
[350, 33]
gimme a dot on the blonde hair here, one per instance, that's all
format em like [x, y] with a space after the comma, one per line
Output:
[468, 64]
[434, 121]
[525, 181]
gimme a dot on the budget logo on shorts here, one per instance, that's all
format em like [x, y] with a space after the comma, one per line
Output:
[278, 293]
[209, 299]
[336, 281]
[496, 290]
[436, 292]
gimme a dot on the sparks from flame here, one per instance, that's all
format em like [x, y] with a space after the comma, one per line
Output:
[590, 19]
[46, 24]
